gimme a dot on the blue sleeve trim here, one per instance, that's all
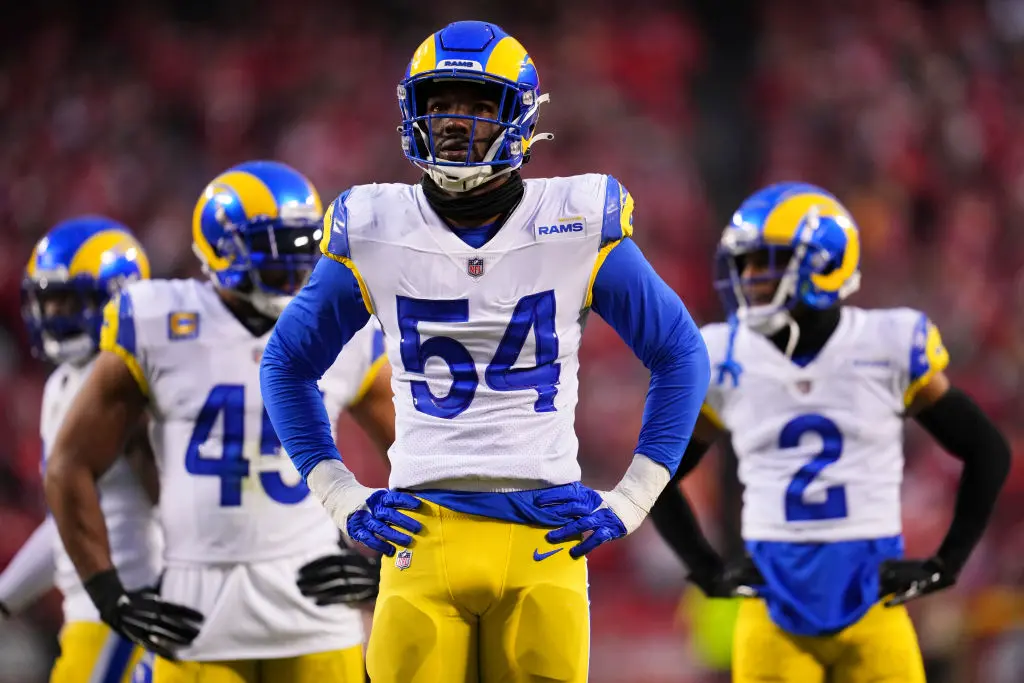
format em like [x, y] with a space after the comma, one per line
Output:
[377, 347]
[611, 227]
[337, 243]
[652, 320]
[126, 324]
[919, 361]
[306, 341]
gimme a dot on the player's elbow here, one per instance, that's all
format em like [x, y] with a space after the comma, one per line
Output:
[684, 350]
[64, 471]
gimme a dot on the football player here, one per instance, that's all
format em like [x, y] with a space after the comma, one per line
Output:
[238, 520]
[72, 273]
[482, 283]
[814, 395]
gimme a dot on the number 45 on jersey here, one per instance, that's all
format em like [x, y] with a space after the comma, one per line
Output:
[228, 400]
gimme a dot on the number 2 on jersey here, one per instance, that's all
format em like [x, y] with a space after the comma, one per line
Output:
[534, 311]
[834, 505]
[232, 467]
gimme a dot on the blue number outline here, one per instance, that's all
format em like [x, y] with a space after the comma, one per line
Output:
[231, 467]
[534, 312]
[834, 506]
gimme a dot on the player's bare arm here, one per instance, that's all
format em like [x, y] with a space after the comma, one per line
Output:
[89, 441]
[139, 454]
[375, 411]
[96, 427]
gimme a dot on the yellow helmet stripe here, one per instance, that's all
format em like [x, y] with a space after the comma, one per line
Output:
[89, 258]
[256, 200]
[781, 225]
[507, 57]
[425, 57]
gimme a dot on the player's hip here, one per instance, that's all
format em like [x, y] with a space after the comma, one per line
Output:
[478, 561]
[91, 651]
[335, 665]
[881, 645]
[255, 610]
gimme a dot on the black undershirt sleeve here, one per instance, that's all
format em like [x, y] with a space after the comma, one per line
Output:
[959, 425]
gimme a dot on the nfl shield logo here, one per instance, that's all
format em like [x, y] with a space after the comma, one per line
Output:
[804, 386]
[403, 559]
[475, 267]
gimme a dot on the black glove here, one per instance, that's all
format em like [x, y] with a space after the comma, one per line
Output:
[346, 578]
[736, 579]
[142, 617]
[4, 612]
[909, 579]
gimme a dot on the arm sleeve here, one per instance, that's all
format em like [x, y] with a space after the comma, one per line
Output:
[960, 426]
[306, 340]
[653, 321]
[30, 573]
[677, 524]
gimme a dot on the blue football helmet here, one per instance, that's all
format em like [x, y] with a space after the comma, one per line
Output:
[482, 54]
[72, 273]
[788, 245]
[256, 229]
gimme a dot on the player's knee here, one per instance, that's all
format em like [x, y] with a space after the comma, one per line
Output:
[552, 639]
[403, 640]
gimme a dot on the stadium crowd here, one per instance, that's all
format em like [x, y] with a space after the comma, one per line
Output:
[913, 116]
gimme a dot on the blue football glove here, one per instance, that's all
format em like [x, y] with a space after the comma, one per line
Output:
[363, 514]
[588, 511]
[374, 524]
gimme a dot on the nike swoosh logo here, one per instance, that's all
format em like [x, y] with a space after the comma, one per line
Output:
[537, 556]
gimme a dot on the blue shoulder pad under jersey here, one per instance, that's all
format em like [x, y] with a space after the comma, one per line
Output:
[334, 241]
[306, 341]
[618, 212]
[814, 589]
[653, 321]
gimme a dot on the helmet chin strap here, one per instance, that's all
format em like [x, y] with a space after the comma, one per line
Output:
[464, 179]
[76, 350]
[272, 306]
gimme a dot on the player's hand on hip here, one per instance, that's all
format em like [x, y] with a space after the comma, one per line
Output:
[591, 516]
[142, 617]
[905, 580]
[732, 580]
[365, 515]
[377, 523]
[347, 578]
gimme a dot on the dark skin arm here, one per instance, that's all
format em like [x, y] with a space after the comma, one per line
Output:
[139, 454]
[93, 433]
[375, 412]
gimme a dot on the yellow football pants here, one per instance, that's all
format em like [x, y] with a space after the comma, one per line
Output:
[469, 603]
[92, 652]
[337, 666]
[880, 648]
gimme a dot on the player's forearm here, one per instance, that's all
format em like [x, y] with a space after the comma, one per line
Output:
[306, 341]
[677, 524]
[961, 427]
[30, 573]
[74, 501]
[653, 321]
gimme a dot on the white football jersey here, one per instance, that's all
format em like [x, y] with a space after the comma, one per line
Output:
[482, 342]
[820, 447]
[228, 492]
[135, 541]
[238, 518]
